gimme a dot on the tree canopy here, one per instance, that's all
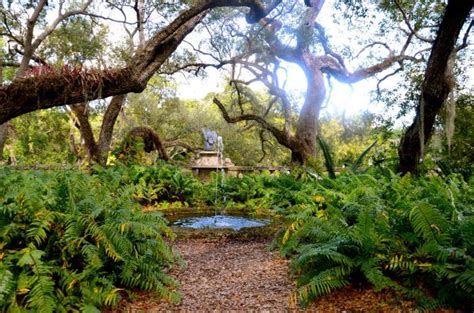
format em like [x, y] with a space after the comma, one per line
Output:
[57, 67]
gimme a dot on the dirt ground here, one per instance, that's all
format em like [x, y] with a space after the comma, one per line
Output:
[244, 276]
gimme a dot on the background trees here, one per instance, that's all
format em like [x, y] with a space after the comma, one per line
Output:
[19, 24]
[72, 85]
[401, 38]
[259, 55]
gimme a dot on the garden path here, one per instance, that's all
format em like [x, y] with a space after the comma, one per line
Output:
[242, 276]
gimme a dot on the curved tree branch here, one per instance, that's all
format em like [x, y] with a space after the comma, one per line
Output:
[331, 68]
[150, 138]
[464, 43]
[282, 137]
[69, 86]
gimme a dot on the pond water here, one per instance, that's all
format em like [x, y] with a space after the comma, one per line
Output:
[220, 221]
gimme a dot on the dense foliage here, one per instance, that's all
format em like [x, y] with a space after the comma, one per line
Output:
[413, 235]
[160, 185]
[71, 241]
[76, 241]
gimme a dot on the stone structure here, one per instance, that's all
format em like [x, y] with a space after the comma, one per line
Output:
[211, 159]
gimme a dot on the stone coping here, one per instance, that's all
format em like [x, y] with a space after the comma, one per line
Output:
[209, 152]
[243, 168]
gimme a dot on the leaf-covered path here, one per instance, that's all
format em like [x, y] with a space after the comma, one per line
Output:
[228, 275]
[242, 276]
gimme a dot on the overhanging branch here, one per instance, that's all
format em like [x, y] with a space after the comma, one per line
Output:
[279, 134]
[347, 77]
[71, 86]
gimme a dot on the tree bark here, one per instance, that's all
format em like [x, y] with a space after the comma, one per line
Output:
[97, 151]
[3, 139]
[435, 88]
[150, 138]
[307, 128]
[81, 112]
[107, 128]
[4, 126]
[70, 86]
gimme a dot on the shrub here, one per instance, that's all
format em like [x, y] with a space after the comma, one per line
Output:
[72, 241]
[162, 183]
[257, 192]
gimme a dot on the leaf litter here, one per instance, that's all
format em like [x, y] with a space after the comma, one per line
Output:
[245, 276]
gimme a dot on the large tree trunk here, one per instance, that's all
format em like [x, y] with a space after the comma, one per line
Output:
[4, 126]
[81, 112]
[98, 151]
[107, 128]
[436, 86]
[3, 139]
[307, 128]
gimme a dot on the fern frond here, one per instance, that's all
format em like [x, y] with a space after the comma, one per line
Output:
[40, 226]
[329, 162]
[465, 281]
[428, 223]
[7, 285]
[361, 157]
[374, 275]
[399, 262]
[324, 283]
[313, 252]
[41, 297]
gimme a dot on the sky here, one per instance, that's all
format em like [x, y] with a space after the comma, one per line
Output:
[349, 99]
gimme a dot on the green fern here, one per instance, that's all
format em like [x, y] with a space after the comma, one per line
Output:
[84, 235]
[329, 162]
[358, 162]
[374, 274]
[388, 230]
[324, 283]
[428, 223]
[7, 285]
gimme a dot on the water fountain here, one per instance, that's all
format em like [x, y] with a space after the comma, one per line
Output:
[220, 221]
[212, 159]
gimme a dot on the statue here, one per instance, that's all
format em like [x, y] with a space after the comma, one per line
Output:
[210, 139]
[211, 158]
[220, 144]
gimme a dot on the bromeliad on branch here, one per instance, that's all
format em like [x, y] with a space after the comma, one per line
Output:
[27, 94]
